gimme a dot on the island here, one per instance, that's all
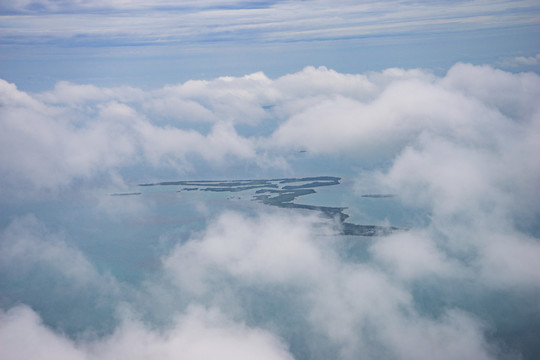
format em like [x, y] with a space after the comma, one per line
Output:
[284, 193]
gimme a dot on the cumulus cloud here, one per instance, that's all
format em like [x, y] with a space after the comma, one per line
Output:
[73, 132]
[48, 141]
[458, 146]
[279, 283]
[80, 131]
[28, 247]
[236, 246]
[397, 111]
[238, 100]
[478, 188]
[358, 308]
[45, 146]
[198, 334]
[233, 276]
[23, 336]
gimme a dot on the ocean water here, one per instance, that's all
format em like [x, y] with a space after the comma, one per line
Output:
[126, 232]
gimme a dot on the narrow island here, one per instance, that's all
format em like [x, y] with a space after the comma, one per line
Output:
[283, 193]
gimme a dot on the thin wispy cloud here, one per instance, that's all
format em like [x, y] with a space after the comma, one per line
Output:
[121, 23]
[526, 61]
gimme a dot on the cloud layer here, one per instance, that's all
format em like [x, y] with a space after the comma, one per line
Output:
[199, 334]
[274, 283]
[83, 23]
[50, 139]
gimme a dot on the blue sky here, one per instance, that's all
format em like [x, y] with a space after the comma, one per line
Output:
[152, 43]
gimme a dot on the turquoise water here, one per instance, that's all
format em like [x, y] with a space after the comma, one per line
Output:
[365, 210]
[128, 235]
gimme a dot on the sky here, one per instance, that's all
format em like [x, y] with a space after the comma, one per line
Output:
[435, 103]
[151, 43]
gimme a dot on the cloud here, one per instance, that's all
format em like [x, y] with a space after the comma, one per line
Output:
[236, 246]
[80, 132]
[241, 21]
[358, 309]
[23, 336]
[231, 99]
[529, 60]
[398, 111]
[509, 93]
[521, 61]
[28, 243]
[471, 193]
[277, 282]
[45, 269]
[29, 248]
[412, 255]
[234, 275]
[45, 146]
[198, 334]
[66, 93]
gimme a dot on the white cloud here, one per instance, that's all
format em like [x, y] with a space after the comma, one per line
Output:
[521, 61]
[412, 255]
[66, 93]
[198, 334]
[236, 246]
[474, 203]
[314, 82]
[470, 166]
[79, 132]
[402, 109]
[27, 243]
[23, 336]
[511, 94]
[44, 146]
[460, 147]
[274, 21]
[170, 146]
[235, 100]
[359, 309]
[29, 247]
[528, 60]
